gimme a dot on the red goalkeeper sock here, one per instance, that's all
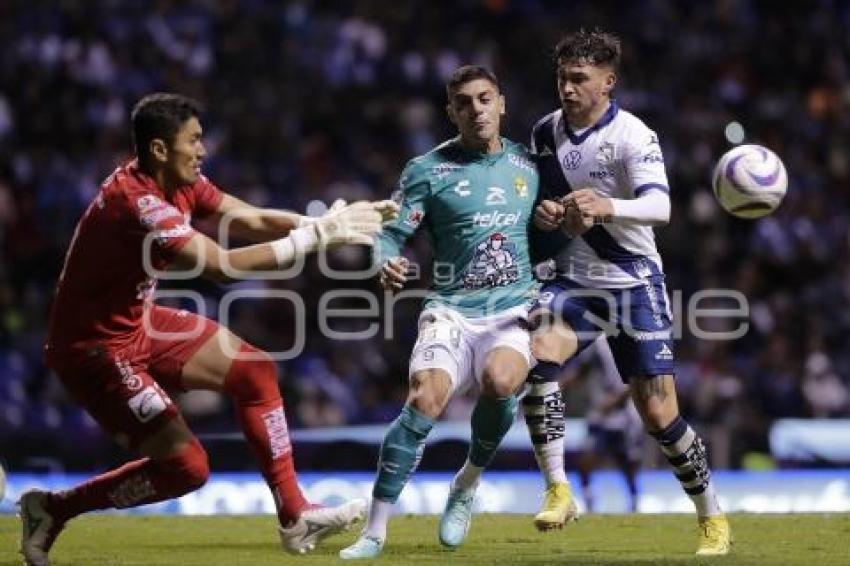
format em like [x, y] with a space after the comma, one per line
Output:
[135, 483]
[252, 384]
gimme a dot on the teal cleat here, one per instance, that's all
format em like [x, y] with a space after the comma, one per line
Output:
[454, 524]
[366, 547]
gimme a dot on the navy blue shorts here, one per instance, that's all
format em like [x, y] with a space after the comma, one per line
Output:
[637, 322]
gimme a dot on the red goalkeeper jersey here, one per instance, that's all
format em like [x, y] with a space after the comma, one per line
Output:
[104, 285]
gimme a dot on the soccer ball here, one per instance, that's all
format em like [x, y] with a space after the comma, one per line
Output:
[749, 181]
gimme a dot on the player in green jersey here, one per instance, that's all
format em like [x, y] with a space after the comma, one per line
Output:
[474, 195]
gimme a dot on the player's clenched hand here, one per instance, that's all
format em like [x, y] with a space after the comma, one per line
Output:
[394, 273]
[548, 215]
[356, 223]
[573, 223]
[590, 205]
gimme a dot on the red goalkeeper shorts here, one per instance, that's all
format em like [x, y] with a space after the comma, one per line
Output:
[126, 390]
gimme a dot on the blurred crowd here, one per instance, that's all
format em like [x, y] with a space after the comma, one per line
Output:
[311, 100]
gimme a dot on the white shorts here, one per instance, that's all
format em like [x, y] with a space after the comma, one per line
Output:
[459, 345]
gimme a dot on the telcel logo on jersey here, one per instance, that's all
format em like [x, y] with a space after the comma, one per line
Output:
[496, 219]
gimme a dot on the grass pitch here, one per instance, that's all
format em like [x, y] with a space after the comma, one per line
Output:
[493, 539]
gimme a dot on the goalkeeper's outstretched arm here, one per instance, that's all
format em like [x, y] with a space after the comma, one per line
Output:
[357, 223]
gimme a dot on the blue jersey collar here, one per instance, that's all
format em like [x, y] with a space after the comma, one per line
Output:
[601, 123]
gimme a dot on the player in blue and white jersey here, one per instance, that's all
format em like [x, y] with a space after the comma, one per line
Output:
[603, 181]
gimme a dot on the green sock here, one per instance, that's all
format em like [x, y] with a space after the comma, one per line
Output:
[400, 453]
[492, 418]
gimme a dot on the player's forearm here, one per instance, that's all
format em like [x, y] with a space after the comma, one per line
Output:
[387, 246]
[223, 265]
[277, 254]
[652, 209]
[267, 224]
[258, 257]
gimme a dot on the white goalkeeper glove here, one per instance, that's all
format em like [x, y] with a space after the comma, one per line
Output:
[356, 223]
[388, 209]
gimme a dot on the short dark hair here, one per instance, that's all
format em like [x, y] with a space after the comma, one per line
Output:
[594, 47]
[468, 73]
[160, 115]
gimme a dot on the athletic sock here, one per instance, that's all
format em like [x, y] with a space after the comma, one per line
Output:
[401, 452]
[543, 408]
[252, 384]
[687, 455]
[135, 483]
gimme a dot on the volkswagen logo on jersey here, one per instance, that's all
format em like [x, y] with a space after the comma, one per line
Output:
[493, 264]
[572, 159]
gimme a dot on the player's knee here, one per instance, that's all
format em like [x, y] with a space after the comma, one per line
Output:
[500, 381]
[252, 376]
[656, 416]
[429, 391]
[555, 344]
[655, 401]
[426, 404]
[189, 469]
[197, 470]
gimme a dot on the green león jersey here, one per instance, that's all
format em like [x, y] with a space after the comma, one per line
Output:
[476, 209]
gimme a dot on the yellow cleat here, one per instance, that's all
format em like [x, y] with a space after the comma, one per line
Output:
[715, 536]
[558, 508]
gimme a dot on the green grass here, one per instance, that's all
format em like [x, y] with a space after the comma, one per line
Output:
[494, 539]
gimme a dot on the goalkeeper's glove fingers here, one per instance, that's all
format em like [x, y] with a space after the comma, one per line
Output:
[388, 209]
[337, 205]
[351, 224]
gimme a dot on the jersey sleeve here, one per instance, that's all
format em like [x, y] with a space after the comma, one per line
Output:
[411, 195]
[206, 197]
[553, 183]
[543, 246]
[644, 163]
[532, 143]
[163, 223]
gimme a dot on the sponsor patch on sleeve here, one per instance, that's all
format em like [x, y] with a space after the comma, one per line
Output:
[148, 403]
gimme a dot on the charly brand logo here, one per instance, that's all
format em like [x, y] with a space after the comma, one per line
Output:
[462, 188]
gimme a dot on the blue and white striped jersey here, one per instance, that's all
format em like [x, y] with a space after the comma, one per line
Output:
[619, 157]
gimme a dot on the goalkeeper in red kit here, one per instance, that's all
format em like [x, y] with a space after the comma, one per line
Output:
[117, 353]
